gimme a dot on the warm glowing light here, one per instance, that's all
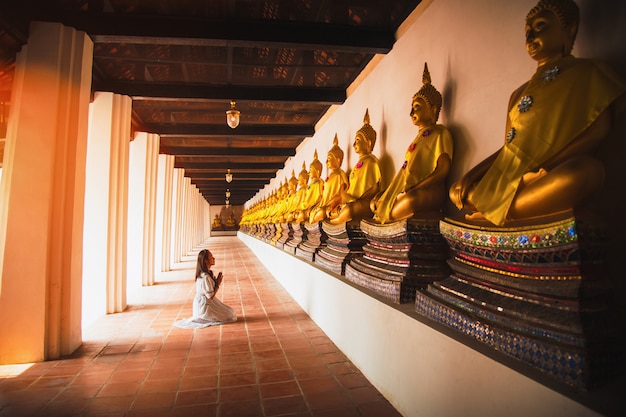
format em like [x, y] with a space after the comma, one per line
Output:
[229, 176]
[227, 193]
[232, 115]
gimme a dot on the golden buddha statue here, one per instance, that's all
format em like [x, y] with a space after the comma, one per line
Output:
[314, 189]
[277, 207]
[217, 222]
[303, 180]
[230, 221]
[336, 182]
[556, 121]
[420, 184]
[364, 179]
[281, 205]
[292, 189]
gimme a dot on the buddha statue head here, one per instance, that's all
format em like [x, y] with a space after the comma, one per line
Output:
[315, 169]
[426, 103]
[303, 176]
[365, 138]
[293, 182]
[335, 155]
[551, 28]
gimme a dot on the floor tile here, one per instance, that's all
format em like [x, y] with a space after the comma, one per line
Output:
[274, 361]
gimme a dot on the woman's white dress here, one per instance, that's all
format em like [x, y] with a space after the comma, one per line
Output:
[207, 311]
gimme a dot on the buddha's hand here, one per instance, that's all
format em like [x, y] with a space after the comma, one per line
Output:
[530, 177]
[374, 204]
[458, 194]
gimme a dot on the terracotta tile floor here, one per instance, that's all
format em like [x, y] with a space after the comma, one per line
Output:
[274, 361]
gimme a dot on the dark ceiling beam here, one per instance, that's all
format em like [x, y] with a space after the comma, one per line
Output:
[135, 60]
[214, 201]
[199, 175]
[179, 30]
[210, 185]
[224, 130]
[225, 151]
[221, 193]
[247, 142]
[228, 165]
[15, 25]
[171, 91]
[261, 172]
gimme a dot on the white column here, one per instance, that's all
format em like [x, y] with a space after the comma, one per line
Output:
[106, 200]
[42, 196]
[177, 214]
[165, 178]
[141, 209]
[187, 240]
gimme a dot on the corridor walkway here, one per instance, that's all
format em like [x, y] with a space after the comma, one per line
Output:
[274, 361]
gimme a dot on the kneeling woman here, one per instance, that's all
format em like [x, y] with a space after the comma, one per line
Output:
[207, 310]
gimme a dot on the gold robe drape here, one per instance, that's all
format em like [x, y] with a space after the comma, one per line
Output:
[564, 103]
[421, 160]
[364, 175]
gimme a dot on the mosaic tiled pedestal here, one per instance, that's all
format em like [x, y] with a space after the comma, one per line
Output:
[315, 241]
[278, 227]
[270, 232]
[298, 236]
[535, 293]
[262, 232]
[259, 231]
[399, 258]
[344, 241]
[286, 234]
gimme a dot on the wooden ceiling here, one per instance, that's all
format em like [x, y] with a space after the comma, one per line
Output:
[284, 62]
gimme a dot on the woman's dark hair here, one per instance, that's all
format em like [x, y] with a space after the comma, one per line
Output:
[201, 265]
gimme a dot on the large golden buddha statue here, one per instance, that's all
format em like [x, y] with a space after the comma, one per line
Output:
[314, 189]
[420, 184]
[556, 122]
[336, 182]
[364, 179]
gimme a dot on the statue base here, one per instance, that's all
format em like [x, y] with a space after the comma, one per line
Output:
[270, 232]
[298, 236]
[265, 232]
[538, 294]
[344, 241]
[400, 257]
[287, 233]
[315, 240]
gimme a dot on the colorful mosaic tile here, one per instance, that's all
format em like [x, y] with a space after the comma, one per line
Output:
[557, 233]
[572, 366]
[396, 291]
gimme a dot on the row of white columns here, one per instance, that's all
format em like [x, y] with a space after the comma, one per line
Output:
[161, 203]
[87, 213]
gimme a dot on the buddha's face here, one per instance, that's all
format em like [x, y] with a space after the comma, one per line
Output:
[302, 180]
[361, 145]
[332, 162]
[421, 113]
[313, 172]
[545, 37]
